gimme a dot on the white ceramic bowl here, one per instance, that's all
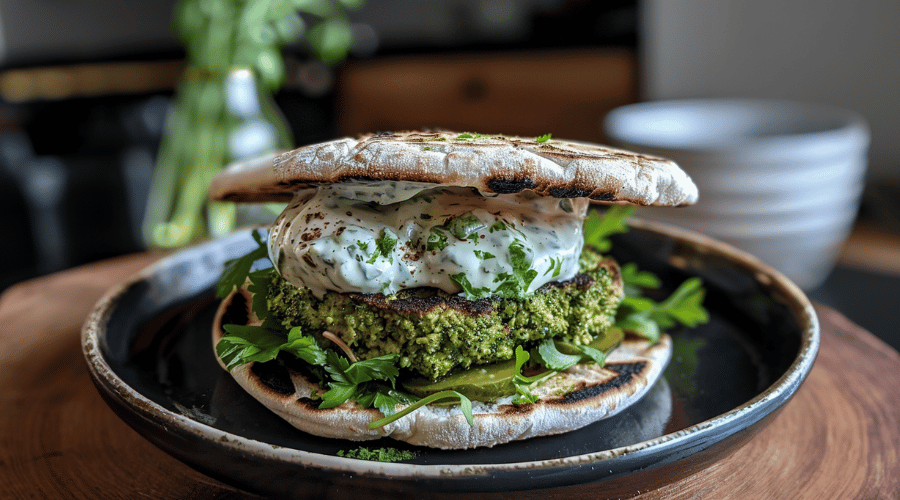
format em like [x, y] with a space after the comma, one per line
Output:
[779, 179]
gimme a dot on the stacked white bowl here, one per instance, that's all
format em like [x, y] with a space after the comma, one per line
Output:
[781, 180]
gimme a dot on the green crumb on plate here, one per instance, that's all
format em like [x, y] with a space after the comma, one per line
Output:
[377, 454]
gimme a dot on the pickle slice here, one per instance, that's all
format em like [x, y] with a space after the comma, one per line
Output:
[482, 383]
[491, 382]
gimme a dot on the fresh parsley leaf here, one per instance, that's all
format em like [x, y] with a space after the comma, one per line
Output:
[635, 279]
[363, 245]
[427, 148]
[380, 368]
[481, 254]
[555, 266]
[543, 138]
[384, 246]
[648, 318]
[386, 243]
[437, 239]
[498, 226]
[471, 291]
[684, 306]
[249, 344]
[464, 136]
[237, 270]
[598, 230]
[259, 287]
[516, 285]
[349, 380]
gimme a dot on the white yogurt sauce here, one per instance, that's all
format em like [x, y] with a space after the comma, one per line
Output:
[382, 237]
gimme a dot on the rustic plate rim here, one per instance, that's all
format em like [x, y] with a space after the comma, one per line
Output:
[768, 401]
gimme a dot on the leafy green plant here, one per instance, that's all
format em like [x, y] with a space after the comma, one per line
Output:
[224, 110]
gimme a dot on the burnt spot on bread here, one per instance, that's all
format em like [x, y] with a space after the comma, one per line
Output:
[274, 376]
[508, 185]
[625, 374]
[236, 311]
[604, 196]
[568, 192]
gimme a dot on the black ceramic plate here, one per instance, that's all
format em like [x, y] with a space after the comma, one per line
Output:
[148, 347]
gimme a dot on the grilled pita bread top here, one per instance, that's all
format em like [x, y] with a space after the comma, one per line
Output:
[489, 163]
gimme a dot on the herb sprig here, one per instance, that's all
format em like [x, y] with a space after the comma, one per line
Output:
[237, 270]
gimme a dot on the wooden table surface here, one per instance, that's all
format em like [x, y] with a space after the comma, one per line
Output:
[838, 438]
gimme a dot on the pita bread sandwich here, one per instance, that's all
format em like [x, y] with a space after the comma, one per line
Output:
[445, 289]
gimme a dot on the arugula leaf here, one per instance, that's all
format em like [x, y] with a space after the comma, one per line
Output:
[598, 230]
[549, 356]
[522, 382]
[465, 404]
[543, 138]
[595, 355]
[237, 270]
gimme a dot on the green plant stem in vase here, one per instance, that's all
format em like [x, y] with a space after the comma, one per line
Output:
[224, 110]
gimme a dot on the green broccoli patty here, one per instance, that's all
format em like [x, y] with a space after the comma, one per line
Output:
[436, 333]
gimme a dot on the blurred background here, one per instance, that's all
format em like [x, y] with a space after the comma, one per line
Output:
[86, 85]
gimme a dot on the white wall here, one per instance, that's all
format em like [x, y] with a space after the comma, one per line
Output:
[840, 52]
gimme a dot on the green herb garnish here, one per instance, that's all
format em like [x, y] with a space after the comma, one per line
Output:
[471, 291]
[597, 230]
[464, 226]
[543, 138]
[437, 239]
[648, 318]
[465, 404]
[237, 270]
[388, 455]
[248, 344]
[481, 254]
[384, 245]
[516, 285]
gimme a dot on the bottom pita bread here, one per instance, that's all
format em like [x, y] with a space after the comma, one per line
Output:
[569, 400]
